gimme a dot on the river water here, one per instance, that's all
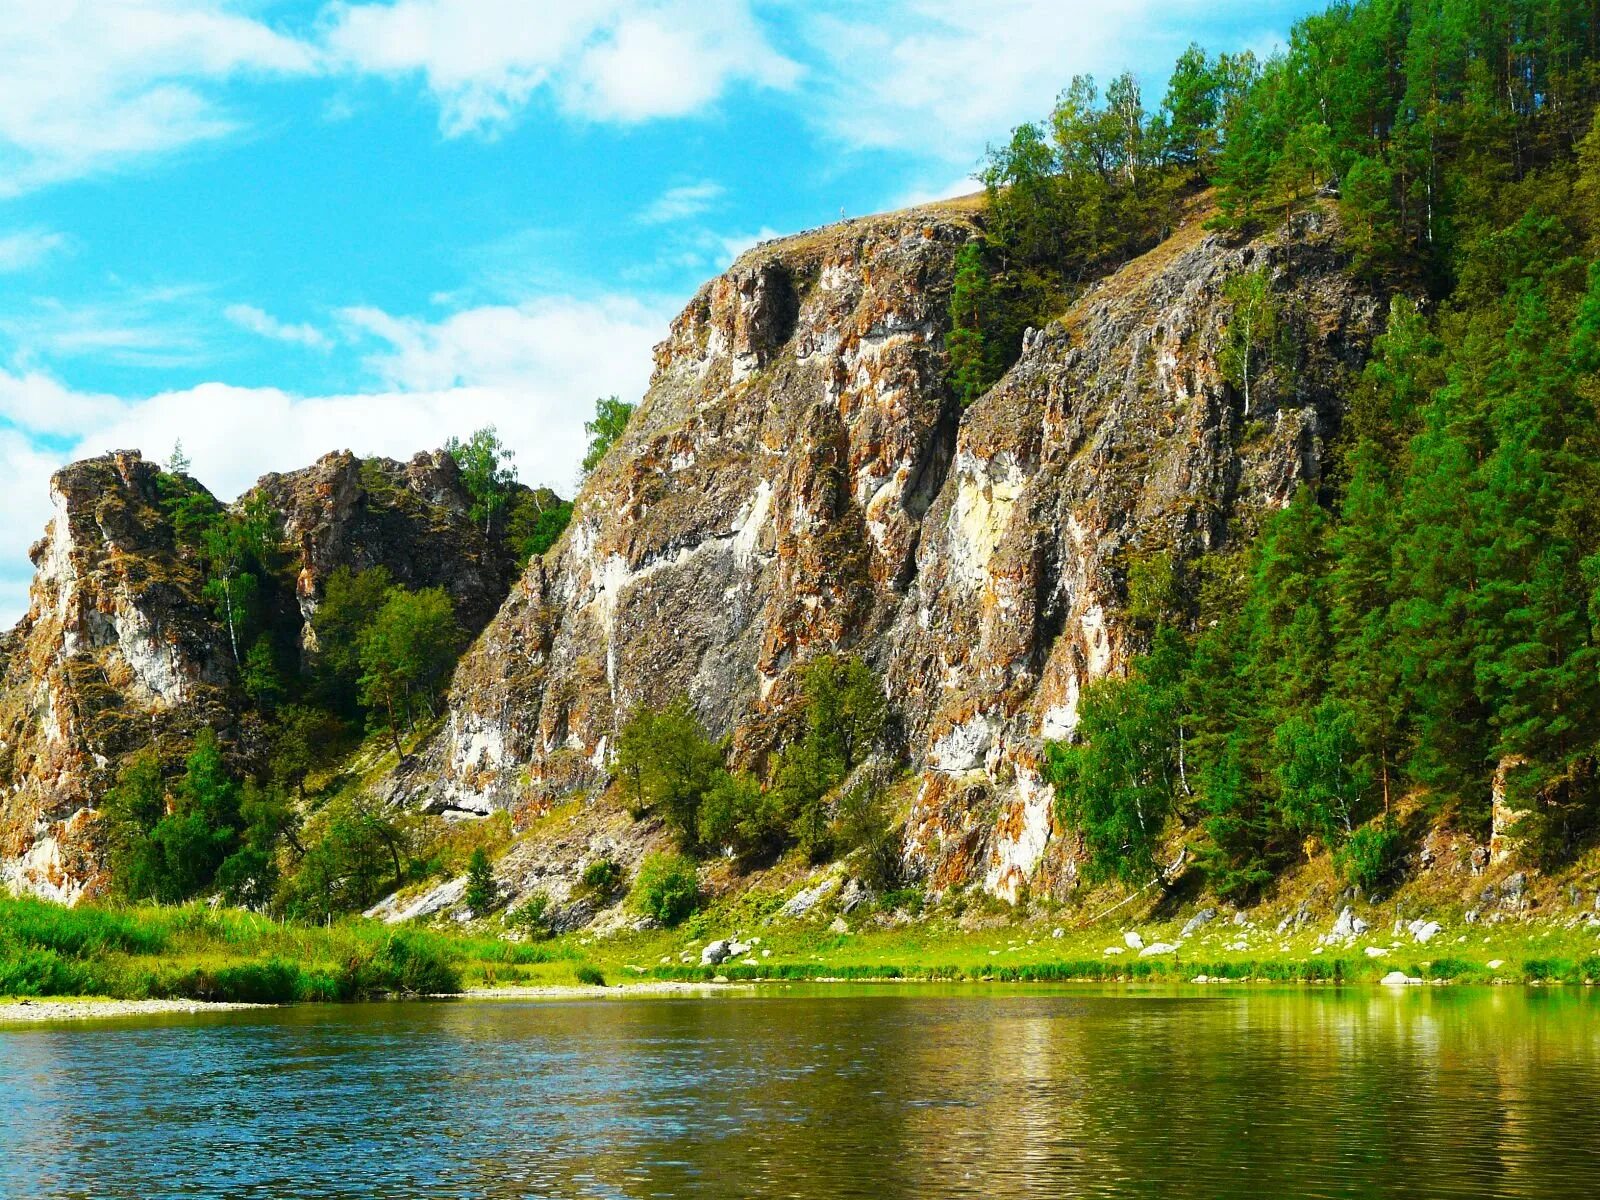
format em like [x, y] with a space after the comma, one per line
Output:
[811, 1092]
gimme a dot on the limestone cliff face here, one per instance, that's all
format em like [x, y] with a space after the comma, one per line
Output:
[411, 518]
[799, 480]
[117, 649]
[120, 648]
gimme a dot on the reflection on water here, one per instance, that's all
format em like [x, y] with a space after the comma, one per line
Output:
[887, 1093]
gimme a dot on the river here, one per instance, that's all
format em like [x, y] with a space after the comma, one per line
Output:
[815, 1092]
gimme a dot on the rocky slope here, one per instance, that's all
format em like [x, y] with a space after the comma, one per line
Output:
[798, 480]
[120, 649]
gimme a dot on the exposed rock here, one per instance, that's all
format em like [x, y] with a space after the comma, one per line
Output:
[1504, 814]
[715, 953]
[1155, 948]
[1400, 979]
[1293, 920]
[803, 901]
[411, 518]
[1197, 922]
[1376, 951]
[1133, 941]
[798, 480]
[1423, 931]
[853, 896]
[1348, 925]
[120, 648]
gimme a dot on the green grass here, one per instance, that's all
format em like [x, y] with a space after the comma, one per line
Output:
[194, 952]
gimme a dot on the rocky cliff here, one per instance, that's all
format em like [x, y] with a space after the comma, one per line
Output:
[799, 480]
[120, 648]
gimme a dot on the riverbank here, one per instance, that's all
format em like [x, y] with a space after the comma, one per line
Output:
[89, 1008]
[194, 954]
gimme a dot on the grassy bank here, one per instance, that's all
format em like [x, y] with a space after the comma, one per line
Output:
[198, 953]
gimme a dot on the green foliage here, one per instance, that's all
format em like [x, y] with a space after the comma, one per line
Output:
[736, 813]
[602, 876]
[1116, 785]
[170, 851]
[666, 889]
[1370, 857]
[611, 417]
[354, 855]
[1322, 785]
[863, 825]
[1252, 329]
[984, 334]
[350, 603]
[590, 975]
[482, 892]
[846, 718]
[536, 521]
[532, 917]
[668, 765]
[406, 655]
[486, 471]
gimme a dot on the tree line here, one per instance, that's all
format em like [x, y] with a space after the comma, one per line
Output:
[1426, 625]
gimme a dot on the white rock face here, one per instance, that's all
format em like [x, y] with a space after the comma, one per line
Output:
[1133, 941]
[1423, 931]
[1348, 925]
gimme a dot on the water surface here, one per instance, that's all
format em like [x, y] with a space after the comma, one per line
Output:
[889, 1092]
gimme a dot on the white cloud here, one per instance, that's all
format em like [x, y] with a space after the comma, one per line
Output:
[943, 77]
[682, 202]
[620, 60]
[576, 345]
[28, 247]
[247, 316]
[93, 83]
[534, 371]
[41, 405]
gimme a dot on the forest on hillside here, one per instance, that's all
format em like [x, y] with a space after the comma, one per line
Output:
[1425, 625]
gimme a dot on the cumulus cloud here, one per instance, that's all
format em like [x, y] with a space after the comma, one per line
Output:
[91, 84]
[942, 77]
[534, 371]
[253, 319]
[617, 60]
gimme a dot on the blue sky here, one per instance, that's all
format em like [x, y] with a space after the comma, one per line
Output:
[278, 229]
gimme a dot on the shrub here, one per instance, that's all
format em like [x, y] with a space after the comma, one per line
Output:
[590, 975]
[864, 826]
[481, 891]
[666, 889]
[411, 965]
[602, 876]
[532, 916]
[1370, 857]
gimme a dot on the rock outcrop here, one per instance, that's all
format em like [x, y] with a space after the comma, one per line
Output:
[799, 480]
[121, 649]
[412, 518]
[118, 649]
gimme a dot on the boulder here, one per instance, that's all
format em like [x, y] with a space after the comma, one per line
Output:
[1400, 979]
[1158, 948]
[1133, 941]
[1423, 931]
[1199, 921]
[1348, 925]
[715, 953]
